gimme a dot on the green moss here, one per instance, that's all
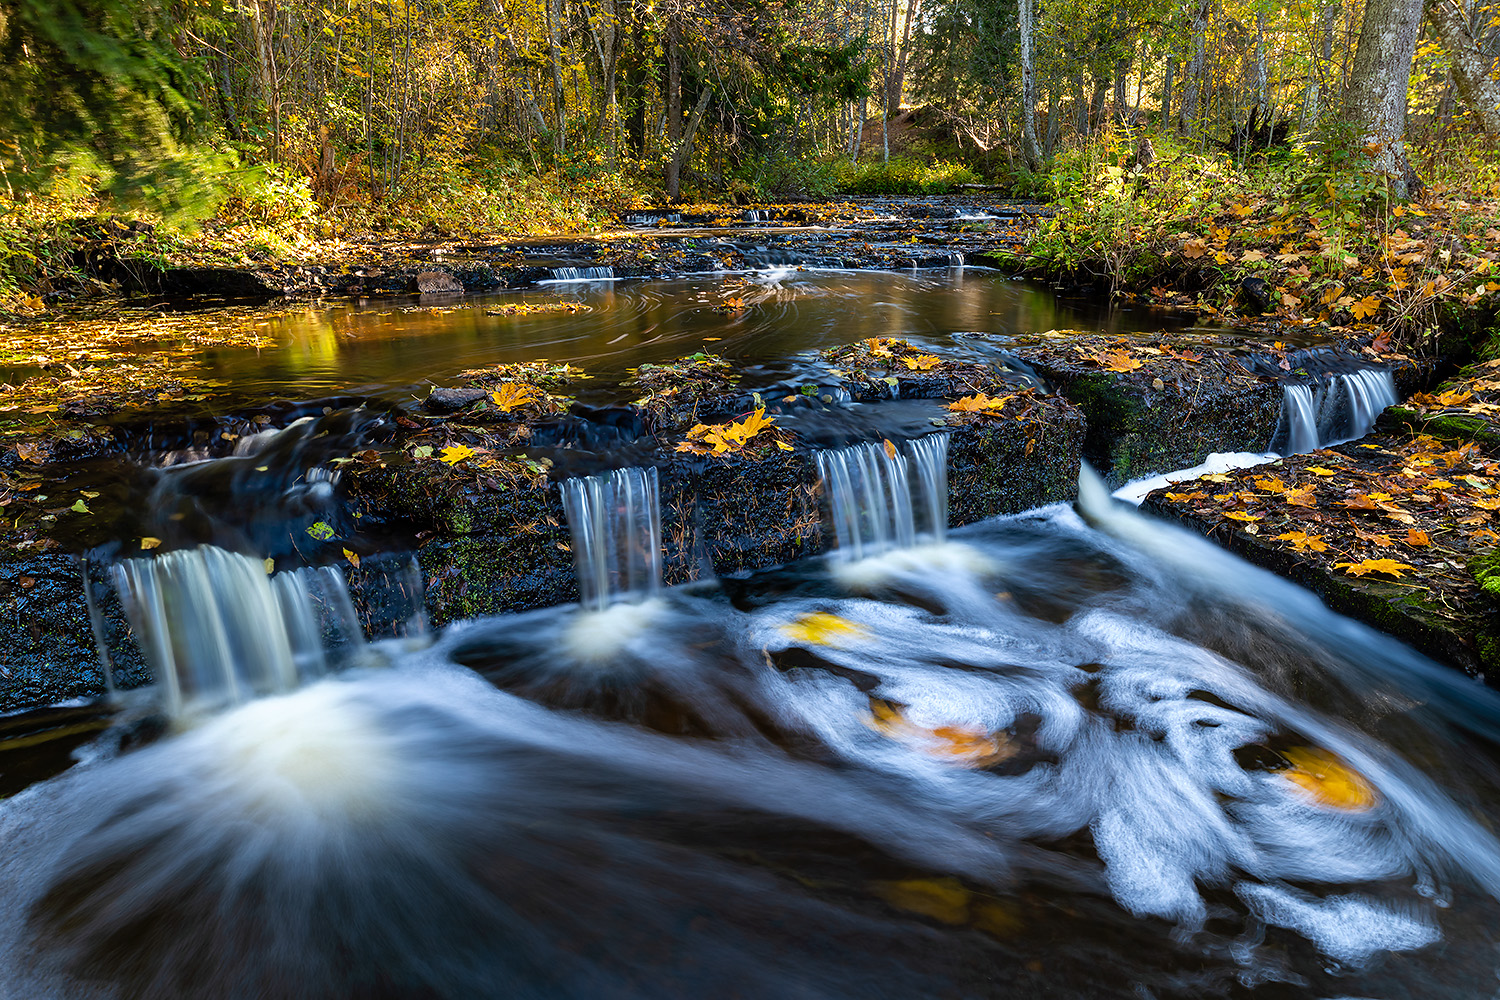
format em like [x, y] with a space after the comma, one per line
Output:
[1486, 570]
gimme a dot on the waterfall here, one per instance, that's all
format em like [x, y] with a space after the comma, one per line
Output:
[217, 629]
[615, 521]
[583, 274]
[1342, 409]
[882, 498]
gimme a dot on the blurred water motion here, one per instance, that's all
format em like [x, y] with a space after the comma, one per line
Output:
[1039, 762]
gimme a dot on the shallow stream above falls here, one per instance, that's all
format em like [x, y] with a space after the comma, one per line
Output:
[763, 321]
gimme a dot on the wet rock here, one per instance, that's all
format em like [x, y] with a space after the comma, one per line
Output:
[437, 283]
[47, 651]
[1162, 415]
[446, 400]
[1255, 295]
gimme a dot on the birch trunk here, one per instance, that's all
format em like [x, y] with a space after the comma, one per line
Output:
[1030, 150]
[1471, 73]
[1194, 76]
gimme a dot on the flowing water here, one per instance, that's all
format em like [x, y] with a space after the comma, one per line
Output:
[1040, 759]
[1071, 754]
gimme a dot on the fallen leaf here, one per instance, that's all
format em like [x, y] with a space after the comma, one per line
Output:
[353, 558]
[513, 395]
[148, 543]
[321, 530]
[1239, 515]
[454, 454]
[1415, 537]
[1389, 567]
[980, 403]
[1303, 542]
[1327, 780]
[823, 629]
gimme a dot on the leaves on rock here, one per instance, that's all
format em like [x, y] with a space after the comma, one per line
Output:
[321, 530]
[1389, 567]
[513, 396]
[734, 436]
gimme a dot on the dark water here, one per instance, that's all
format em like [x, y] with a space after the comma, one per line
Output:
[1039, 761]
[389, 347]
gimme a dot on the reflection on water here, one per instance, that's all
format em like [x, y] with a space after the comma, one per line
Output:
[782, 313]
[1038, 760]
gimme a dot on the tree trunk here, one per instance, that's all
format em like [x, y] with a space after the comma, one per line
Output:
[1193, 78]
[1054, 120]
[1312, 99]
[683, 150]
[1030, 150]
[1375, 100]
[674, 110]
[1096, 103]
[1166, 89]
[1471, 72]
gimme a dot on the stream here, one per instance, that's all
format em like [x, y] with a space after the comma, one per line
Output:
[1069, 753]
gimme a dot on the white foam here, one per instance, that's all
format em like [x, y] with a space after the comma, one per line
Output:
[1220, 461]
[1350, 929]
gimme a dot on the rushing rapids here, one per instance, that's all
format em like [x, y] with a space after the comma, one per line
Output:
[1059, 760]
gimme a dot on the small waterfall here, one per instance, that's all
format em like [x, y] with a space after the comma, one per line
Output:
[755, 215]
[882, 498]
[955, 259]
[1344, 408]
[217, 629]
[652, 219]
[583, 274]
[615, 521]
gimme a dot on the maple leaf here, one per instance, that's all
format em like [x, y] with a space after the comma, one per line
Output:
[1327, 780]
[454, 454]
[513, 395]
[1305, 496]
[1389, 567]
[1271, 484]
[1361, 502]
[1185, 497]
[1318, 470]
[1414, 537]
[1239, 515]
[1366, 307]
[1188, 356]
[923, 362]
[1194, 248]
[1115, 361]
[823, 629]
[980, 403]
[1303, 542]
[1252, 257]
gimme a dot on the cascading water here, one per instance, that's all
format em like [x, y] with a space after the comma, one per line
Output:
[615, 521]
[218, 629]
[1343, 408]
[583, 274]
[874, 501]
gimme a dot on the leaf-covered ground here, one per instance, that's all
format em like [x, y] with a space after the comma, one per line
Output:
[1406, 515]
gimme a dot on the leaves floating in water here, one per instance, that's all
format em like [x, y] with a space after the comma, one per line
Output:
[1327, 780]
[948, 901]
[79, 507]
[967, 746]
[823, 629]
[321, 530]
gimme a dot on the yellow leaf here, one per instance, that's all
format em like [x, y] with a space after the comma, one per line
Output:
[1116, 361]
[1239, 515]
[353, 558]
[890, 448]
[1303, 542]
[149, 543]
[783, 446]
[1318, 470]
[1194, 248]
[457, 453]
[1366, 307]
[513, 395]
[1416, 538]
[1389, 567]
[980, 403]
[943, 899]
[1327, 780]
[823, 629]
[923, 362]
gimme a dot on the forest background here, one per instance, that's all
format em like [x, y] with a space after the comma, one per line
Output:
[272, 127]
